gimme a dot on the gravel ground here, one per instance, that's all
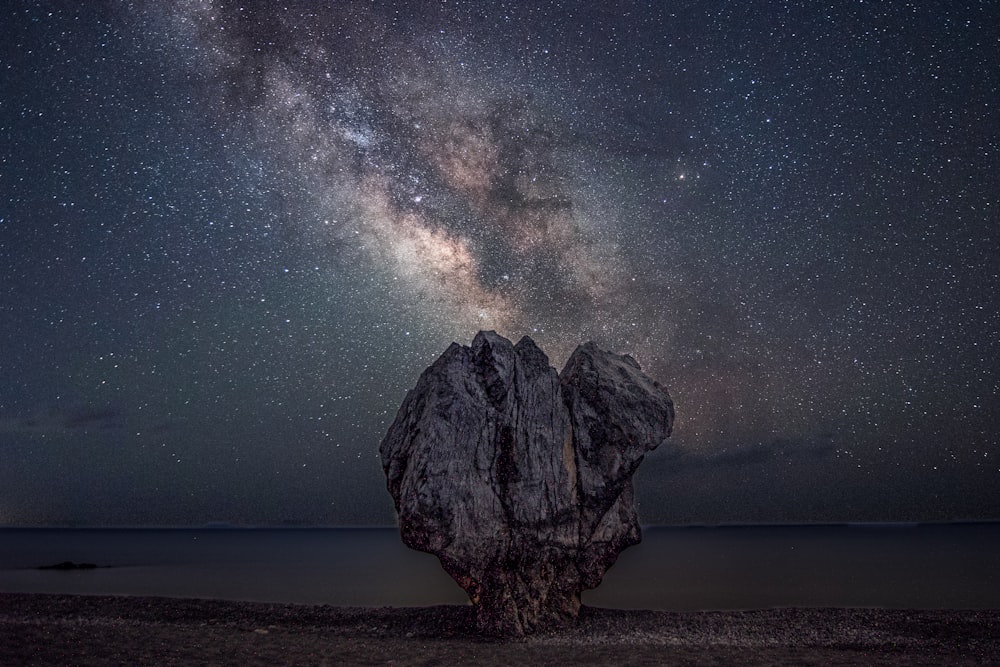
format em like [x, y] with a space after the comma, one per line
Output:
[102, 630]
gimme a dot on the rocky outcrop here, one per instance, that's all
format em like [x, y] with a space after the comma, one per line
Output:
[518, 478]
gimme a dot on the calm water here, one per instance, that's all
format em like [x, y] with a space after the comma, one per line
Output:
[926, 566]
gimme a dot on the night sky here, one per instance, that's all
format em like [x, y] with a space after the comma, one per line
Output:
[233, 234]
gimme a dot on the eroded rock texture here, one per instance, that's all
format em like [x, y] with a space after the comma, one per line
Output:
[518, 478]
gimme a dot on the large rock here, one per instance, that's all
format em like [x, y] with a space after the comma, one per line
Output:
[519, 479]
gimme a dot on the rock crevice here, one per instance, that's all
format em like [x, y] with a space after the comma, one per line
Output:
[519, 478]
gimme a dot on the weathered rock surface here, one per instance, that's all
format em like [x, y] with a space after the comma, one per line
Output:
[518, 478]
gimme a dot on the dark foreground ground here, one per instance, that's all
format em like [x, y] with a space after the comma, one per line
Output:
[91, 630]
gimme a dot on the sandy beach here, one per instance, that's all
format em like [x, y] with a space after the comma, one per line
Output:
[105, 630]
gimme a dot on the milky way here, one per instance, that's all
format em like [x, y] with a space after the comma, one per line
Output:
[460, 187]
[235, 233]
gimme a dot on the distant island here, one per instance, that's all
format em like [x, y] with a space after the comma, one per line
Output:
[70, 565]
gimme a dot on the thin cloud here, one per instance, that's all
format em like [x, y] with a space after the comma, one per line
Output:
[65, 420]
[675, 458]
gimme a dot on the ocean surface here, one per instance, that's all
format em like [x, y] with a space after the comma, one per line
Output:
[737, 567]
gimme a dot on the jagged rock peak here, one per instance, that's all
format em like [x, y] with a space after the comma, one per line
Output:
[519, 478]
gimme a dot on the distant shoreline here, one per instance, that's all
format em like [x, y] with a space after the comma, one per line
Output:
[645, 527]
[69, 629]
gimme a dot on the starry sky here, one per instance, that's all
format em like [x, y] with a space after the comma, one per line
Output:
[233, 234]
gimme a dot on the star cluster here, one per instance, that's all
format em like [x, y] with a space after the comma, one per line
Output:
[233, 234]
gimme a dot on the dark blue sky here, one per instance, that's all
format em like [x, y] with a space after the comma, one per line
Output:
[232, 235]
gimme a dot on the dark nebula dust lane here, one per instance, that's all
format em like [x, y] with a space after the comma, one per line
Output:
[233, 235]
